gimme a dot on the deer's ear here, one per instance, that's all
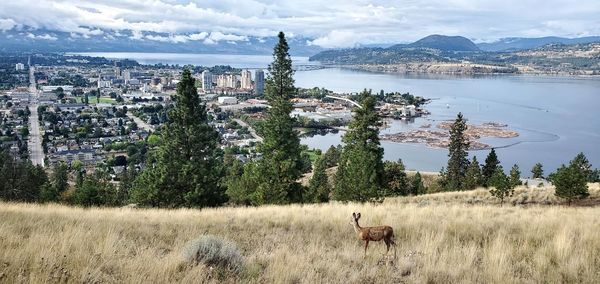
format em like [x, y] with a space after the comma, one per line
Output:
[358, 216]
[353, 215]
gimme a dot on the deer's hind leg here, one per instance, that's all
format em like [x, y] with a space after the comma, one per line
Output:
[366, 246]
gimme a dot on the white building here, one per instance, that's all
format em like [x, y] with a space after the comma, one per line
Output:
[19, 66]
[206, 81]
[104, 84]
[227, 100]
[227, 81]
[246, 82]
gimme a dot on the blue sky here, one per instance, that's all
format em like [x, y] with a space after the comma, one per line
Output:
[331, 23]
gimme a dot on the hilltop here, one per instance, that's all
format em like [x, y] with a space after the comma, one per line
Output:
[441, 42]
[442, 238]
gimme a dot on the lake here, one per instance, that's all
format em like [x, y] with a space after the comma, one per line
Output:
[557, 117]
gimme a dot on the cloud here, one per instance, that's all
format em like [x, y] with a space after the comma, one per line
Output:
[7, 24]
[177, 38]
[334, 23]
[336, 39]
[44, 36]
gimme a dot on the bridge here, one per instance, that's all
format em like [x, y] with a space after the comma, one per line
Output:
[344, 99]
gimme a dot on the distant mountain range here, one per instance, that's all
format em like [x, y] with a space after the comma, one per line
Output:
[52, 41]
[518, 43]
[39, 40]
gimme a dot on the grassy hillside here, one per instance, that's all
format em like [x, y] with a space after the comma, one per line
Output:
[441, 238]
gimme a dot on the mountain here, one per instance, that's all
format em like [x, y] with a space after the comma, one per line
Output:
[36, 40]
[442, 42]
[517, 43]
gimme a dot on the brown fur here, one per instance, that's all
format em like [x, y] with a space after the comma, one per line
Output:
[366, 234]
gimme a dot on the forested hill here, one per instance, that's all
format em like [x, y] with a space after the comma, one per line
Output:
[585, 56]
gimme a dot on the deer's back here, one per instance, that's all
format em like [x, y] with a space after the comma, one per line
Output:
[376, 233]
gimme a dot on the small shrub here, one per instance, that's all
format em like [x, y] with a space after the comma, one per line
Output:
[214, 251]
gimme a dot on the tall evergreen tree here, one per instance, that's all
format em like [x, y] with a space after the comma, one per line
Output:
[515, 176]
[274, 178]
[360, 175]
[537, 171]
[188, 167]
[473, 177]
[457, 152]
[490, 167]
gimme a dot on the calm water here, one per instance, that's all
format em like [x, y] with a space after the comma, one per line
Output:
[557, 117]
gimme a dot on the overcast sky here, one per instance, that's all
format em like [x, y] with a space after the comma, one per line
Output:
[331, 23]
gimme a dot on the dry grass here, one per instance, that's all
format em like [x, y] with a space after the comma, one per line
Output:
[441, 239]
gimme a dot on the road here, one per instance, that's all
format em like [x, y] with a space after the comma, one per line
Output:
[140, 122]
[252, 132]
[36, 153]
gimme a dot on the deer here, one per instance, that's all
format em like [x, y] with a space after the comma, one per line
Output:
[385, 233]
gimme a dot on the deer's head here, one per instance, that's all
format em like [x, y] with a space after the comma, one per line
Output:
[354, 220]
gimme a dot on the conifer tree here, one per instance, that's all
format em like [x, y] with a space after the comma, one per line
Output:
[583, 164]
[515, 176]
[274, 178]
[188, 168]
[416, 185]
[318, 186]
[501, 186]
[490, 167]
[473, 177]
[360, 172]
[570, 181]
[395, 179]
[537, 171]
[457, 152]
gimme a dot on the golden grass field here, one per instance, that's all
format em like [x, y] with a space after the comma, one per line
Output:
[442, 238]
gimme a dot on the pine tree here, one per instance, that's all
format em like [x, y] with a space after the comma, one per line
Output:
[318, 186]
[582, 163]
[515, 176]
[473, 177]
[501, 186]
[416, 185]
[570, 181]
[360, 172]
[57, 185]
[490, 167]
[274, 178]
[395, 179]
[537, 171]
[457, 152]
[188, 167]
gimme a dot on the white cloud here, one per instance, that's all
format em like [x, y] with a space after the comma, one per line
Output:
[336, 39]
[7, 24]
[332, 23]
[44, 36]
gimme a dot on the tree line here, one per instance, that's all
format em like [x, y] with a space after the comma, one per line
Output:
[189, 168]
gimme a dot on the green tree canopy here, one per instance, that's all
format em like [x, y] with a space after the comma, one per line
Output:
[454, 177]
[537, 171]
[188, 168]
[360, 175]
[490, 167]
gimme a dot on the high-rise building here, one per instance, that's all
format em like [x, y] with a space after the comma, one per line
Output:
[118, 72]
[227, 81]
[19, 66]
[126, 75]
[246, 80]
[259, 82]
[206, 80]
